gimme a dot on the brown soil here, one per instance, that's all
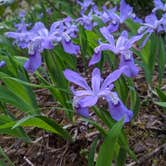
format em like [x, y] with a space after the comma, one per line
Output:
[146, 134]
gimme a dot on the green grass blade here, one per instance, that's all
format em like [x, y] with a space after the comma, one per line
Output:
[108, 148]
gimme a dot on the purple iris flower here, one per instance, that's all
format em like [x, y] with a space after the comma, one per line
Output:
[40, 15]
[34, 61]
[152, 24]
[104, 15]
[135, 18]
[22, 39]
[2, 64]
[22, 13]
[164, 22]
[125, 11]
[22, 26]
[87, 96]
[159, 5]
[85, 4]
[87, 21]
[115, 19]
[122, 48]
[65, 31]
[45, 39]
[49, 11]
[40, 38]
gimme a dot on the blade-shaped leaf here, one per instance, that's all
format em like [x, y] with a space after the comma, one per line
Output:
[44, 123]
[107, 150]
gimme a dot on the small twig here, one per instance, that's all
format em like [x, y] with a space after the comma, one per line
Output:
[28, 161]
[63, 155]
[151, 154]
[68, 126]
[131, 164]
[157, 129]
[148, 156]
[39, 139]
[92, 134]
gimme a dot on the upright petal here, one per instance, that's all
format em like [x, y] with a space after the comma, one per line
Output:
[158, 5]
[96, 80]
[38, 26]
[125, 11]
[76, 79]
[120, 44]
[112, 77]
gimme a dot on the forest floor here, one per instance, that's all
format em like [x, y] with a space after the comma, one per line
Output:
[147, 135]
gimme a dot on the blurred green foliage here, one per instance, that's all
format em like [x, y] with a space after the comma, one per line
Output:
[141, 7]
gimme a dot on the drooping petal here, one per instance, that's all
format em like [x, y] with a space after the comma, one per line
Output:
[118, 110]
[97, 55]
[47, 43]
[2, 64]
[96, 80]
[137, 19]
[76, 79]
[70, 48]
[83, 111]
[112, 77]
[120, 44]
[113, 27]
[131, 70]
[34, 61]
[95, 59]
